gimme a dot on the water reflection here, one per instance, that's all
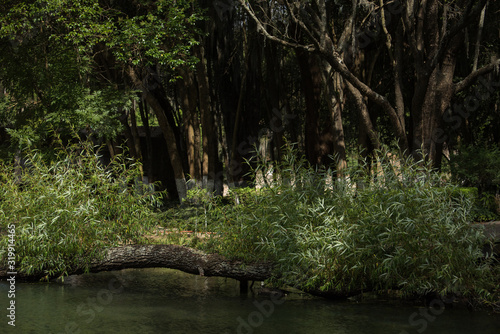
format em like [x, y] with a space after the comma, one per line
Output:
[168, 301]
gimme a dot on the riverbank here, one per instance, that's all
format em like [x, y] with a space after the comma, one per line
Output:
[322, 234]
[163, 300]
[196, 262]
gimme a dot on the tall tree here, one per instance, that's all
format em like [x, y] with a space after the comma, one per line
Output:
[433, 31]
[101, 46]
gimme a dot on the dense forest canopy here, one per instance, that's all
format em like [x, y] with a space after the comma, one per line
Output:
[221, 78]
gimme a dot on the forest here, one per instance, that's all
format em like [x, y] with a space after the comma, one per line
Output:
[200, 98]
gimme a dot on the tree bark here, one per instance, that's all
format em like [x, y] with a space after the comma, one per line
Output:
[167, 130]
[168, 256]
[149, 144]
[188, 98]
[311, 83]
[335, 100]
[366, 121]
[209, 132]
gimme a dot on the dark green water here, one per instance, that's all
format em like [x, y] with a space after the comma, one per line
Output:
[167, 301]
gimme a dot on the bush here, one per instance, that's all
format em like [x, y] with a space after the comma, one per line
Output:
[397, 228]
[477, 167]
[483, 208]
[68, 207]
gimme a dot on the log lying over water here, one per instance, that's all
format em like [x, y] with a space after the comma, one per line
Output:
[182, 258]
[170, 256]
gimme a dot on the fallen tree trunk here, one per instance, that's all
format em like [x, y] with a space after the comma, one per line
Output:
[195, 262]
[182, 258]
[168, 256]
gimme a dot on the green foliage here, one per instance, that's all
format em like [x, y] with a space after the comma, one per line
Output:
[483, 208]
[67, 207]
[62, 62]
[397, 228]
[160, 33]
[95, 110]
[201, 198]
[146, 32]
[478, 167]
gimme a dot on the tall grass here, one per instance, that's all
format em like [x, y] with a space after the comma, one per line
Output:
[67, 207]
[400, 227]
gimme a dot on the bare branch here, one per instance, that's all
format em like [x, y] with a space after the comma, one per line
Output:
[263, 30]
[349, 28]
[478, 39]
[467, 17]
[471, 78]
[301, 24]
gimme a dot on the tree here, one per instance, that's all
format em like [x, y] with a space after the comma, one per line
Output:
[433, 45]
[76, 50]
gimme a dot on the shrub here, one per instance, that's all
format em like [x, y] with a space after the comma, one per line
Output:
[397, 228]
[483, 208]
[477, 167]
[67, 207]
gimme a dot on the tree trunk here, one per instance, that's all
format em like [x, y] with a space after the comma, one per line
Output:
[188, 98]
[445, 92]
[169, 256]
[209, 132]
[182, 258]
[149, 144]
[439, 90]
[335, 100]
[135, 131]
[124, 119]
[311, 87]
[273, 95]
[366, 122]
[235, 161]
[167, 131]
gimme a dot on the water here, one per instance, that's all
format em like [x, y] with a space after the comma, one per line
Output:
[168, 301]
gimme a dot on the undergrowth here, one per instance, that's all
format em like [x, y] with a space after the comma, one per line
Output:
[401, 227]
[67, 207]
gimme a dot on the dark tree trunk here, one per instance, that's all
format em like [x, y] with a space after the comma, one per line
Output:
[167, 130]
[434, 86]
[311, 87]
[336, 100]
[188, 96]
[209, 132]
[169, 256]
[366, 125]
[149, 144]
[273, 95]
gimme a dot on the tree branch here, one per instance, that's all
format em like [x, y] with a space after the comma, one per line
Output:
[464, 21]
[262, 30]
[470, 79]
[326, 49]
